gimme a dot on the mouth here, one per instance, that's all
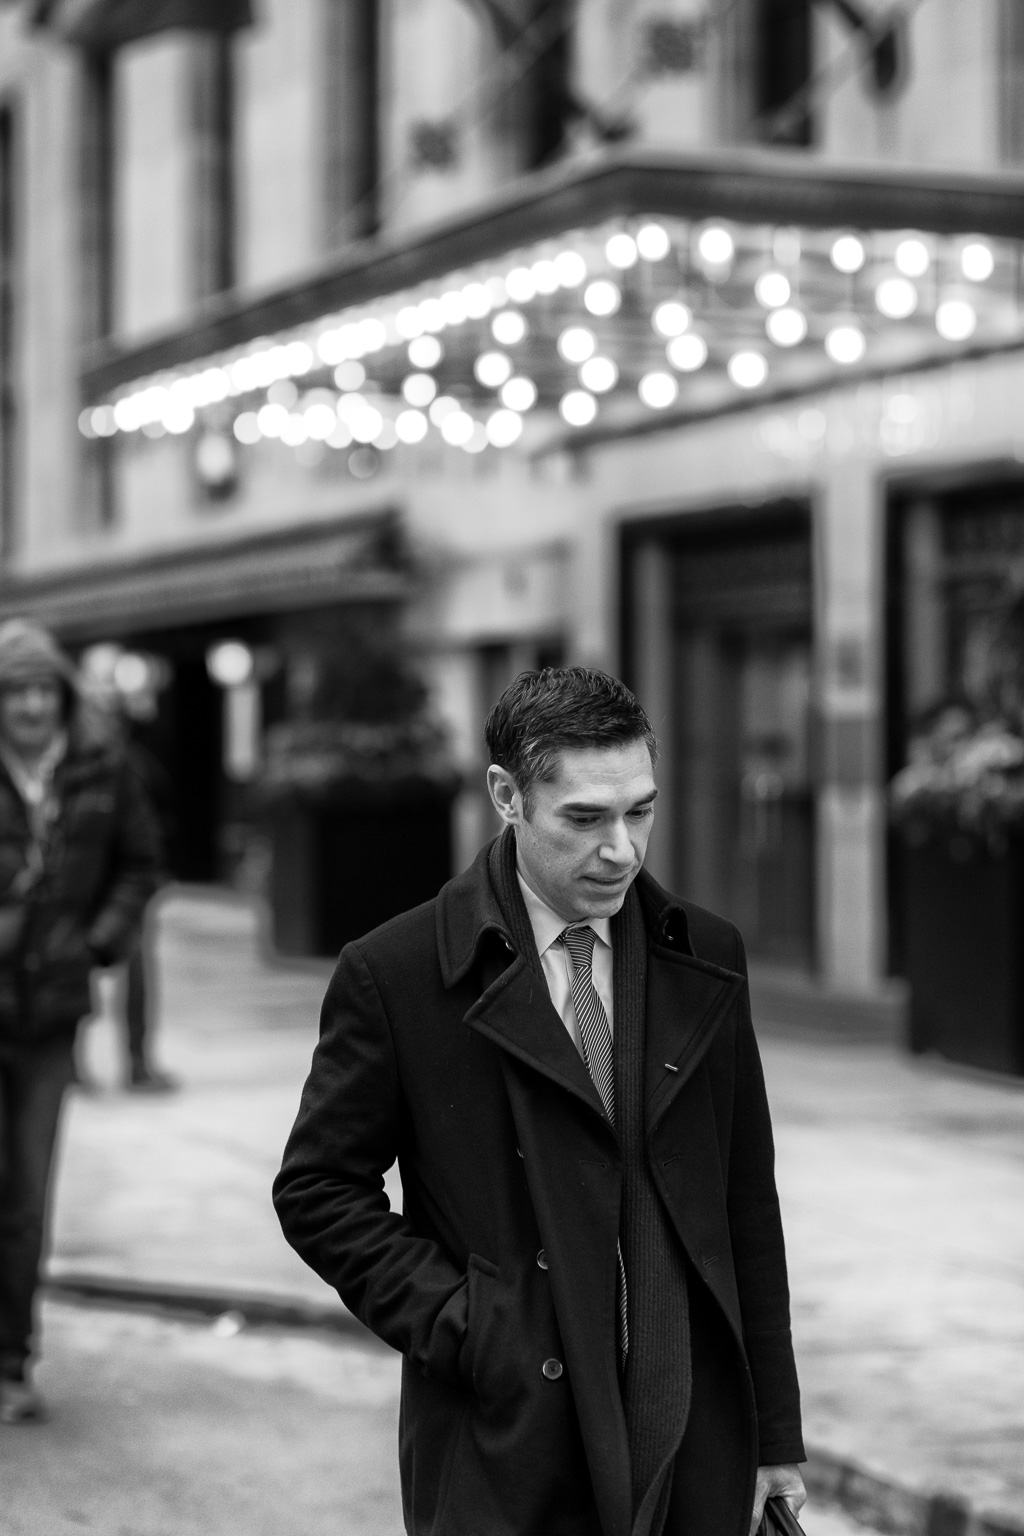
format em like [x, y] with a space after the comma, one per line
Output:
[609, 883]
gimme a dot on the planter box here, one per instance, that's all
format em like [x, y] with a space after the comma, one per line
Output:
[964, 934]
[342, 866]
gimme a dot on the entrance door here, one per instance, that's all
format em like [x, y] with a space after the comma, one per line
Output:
[744, 823]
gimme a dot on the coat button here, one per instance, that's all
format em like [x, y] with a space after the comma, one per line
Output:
[519, 1152]
[552, 1369]
[542, 1260]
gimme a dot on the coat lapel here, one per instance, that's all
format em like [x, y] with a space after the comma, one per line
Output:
[687, 999]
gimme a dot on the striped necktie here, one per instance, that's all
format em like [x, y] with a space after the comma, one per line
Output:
[599, 1055]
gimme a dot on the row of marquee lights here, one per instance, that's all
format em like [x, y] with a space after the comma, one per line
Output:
[169, 405]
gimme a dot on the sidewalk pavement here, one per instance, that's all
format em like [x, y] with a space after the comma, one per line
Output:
[902, 1184]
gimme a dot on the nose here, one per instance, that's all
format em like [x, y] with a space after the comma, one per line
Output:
[617, 847]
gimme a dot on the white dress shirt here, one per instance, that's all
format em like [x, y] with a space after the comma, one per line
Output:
[547, 924]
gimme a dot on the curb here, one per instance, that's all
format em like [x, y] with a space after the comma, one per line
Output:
[258, 1310]
[868, 1497]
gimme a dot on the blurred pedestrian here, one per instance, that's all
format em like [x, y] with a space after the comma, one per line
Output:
[118, 714]
[78, 861]
[587, 1277]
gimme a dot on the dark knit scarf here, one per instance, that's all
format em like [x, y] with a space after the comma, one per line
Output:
[656, 1384]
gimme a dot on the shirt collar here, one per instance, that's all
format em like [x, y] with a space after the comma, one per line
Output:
[547, 924]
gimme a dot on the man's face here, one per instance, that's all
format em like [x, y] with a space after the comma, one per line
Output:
[584, 841]
[30, 715]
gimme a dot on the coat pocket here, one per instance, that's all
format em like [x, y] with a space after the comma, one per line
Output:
[494, 1352]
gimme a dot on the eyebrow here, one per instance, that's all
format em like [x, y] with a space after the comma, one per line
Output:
[585, 805]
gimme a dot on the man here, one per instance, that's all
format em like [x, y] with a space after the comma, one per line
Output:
[78, 860]
[587, 1281]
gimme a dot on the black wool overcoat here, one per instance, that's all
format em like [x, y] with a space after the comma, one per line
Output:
[439, 1046]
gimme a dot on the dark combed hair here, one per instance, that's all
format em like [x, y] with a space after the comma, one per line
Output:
[544, 713]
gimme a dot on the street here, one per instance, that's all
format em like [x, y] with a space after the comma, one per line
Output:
[171, 1428]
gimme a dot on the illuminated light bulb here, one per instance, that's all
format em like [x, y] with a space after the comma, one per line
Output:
[578, 408]
[477, 440]
[577, 344]
[263, 369]
[178, 417]
[409, 322]
[848, 254]
[912, 257]
[126, 414]
[599, 374]
[102, 421]
[519, 394]
[747, 369]
[457, 428]
[772, 290]
[492, 369]
[247, 428]
[299, 356]
[350, 375]
[621, 250]
[85, 423]
[716, 246]
[245, 374]
[294, 431]
[271, 419]
[411, 426]
[955, 319]
[845, 344]
[351, 406]
[419, 389]
[508, 327]
[520, 285]
[652, 242]
[477, 300]
[658, 390]
[504, 428]
[687, 353]
[896, 298]
[671, 318]
[571, 269]
[786, 327]
[431, 315]
[425, 352]
[387, 437]
[443, 406]
[602, 297]
[453, 306]
[498, 290]
[330, 348]
[367, 425]
[545, 276]
[230, 663]
[977, 262]
[341, 437]
[373, 334]
[320, 420]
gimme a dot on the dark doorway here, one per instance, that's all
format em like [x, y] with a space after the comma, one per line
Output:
[739, 719]
[783, 42]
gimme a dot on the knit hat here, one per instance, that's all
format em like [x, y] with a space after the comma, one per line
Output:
[29, 653]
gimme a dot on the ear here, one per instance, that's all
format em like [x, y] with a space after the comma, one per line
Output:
[505, 797]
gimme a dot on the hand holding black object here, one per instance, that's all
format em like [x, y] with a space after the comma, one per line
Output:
[779, 1520]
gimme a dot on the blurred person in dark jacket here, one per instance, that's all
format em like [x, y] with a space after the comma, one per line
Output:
[118, 715]
[78, 862]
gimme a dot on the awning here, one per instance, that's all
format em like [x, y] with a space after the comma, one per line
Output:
[107, 24]
[613, 296]
[318, 565]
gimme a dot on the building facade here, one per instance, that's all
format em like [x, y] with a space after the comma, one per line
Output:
[678, 338]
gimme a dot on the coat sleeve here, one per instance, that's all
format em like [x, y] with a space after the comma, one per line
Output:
[759, 1254]
[330, 1197]
[134, 872]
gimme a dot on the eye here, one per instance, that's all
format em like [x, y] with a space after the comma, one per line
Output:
[642, 813]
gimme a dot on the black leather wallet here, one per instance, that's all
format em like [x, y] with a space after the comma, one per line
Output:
[779, 1520]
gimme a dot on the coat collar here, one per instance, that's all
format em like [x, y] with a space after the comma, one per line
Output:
[467, 911]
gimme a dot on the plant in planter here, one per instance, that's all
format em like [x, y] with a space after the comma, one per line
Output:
[959, 808]
[357, 785]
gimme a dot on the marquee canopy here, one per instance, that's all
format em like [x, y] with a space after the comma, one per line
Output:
[610, 297]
